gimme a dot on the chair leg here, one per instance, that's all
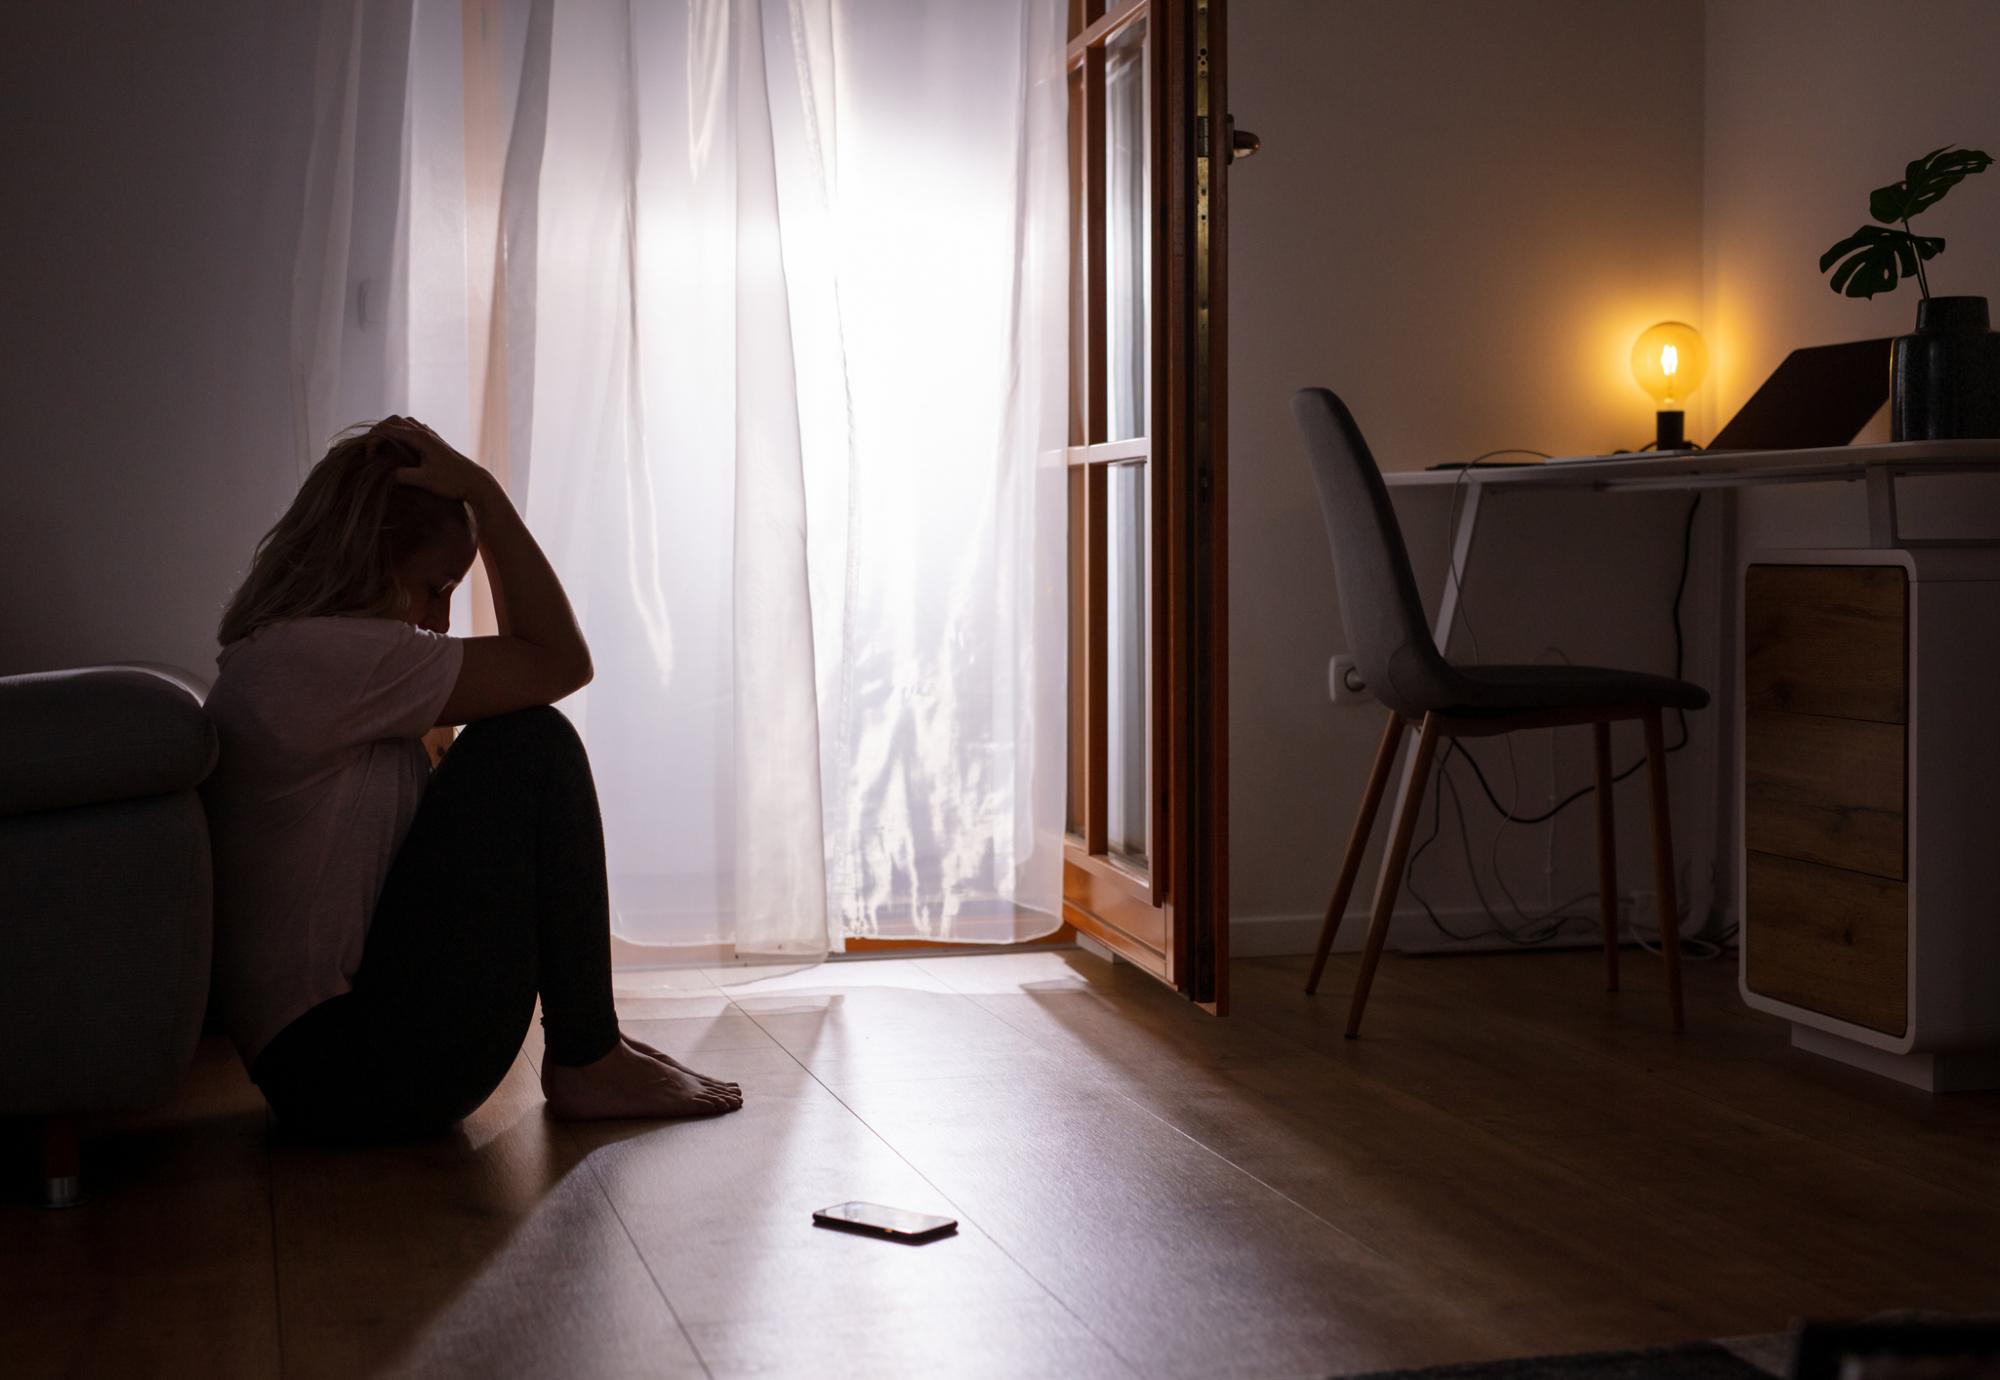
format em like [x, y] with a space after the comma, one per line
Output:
[1407, 809]
[1663, 865]
[1357, 844]
[1607, 854]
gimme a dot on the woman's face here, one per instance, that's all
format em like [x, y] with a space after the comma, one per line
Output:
[428, 579]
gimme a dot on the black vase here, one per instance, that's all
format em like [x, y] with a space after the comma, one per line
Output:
[1944, 381]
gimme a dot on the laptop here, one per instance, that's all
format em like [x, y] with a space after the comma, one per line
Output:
[1819, 396]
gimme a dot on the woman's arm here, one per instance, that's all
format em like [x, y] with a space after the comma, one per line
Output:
[496, 591]
[540, 654]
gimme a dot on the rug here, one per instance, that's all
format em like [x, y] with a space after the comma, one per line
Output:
[1691, 1361]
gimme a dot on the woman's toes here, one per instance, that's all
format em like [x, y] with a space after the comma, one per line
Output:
[629, 1083]
[665, 1058]
[670, 1062]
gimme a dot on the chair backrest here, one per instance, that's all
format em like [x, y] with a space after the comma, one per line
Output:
[1386, 628]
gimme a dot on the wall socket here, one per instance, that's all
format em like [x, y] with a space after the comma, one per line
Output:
[1344, 683]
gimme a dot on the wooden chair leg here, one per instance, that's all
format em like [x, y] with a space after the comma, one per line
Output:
[1607, 854]
[1407, 809]
[1663, 865]
[1357, 844]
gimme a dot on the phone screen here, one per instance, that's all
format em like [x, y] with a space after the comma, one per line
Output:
[887, 1221]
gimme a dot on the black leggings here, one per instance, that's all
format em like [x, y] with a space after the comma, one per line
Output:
[497, 894]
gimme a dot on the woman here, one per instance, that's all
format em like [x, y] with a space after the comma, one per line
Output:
[383, 931]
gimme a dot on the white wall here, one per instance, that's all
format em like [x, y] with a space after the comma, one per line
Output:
[1809, 107]
[1812, 104]
[1444, 186]
[1463, 215]
[154, 158]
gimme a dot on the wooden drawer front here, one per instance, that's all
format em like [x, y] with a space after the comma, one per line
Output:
[1827, 640]
[1825, 790]
[1830, 941]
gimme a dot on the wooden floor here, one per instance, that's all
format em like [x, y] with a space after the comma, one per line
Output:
[1509, 1162]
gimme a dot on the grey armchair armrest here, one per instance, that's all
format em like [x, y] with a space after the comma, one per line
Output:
[70, 738]
[105, 896]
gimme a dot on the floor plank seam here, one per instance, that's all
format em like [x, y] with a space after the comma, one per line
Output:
[1264, 1184]
[597, 1182]
[1513, 1164]
[1181, 1131]
[998, 1244]
[1299, 1047]
[1622, 1190]
[1562, 1034]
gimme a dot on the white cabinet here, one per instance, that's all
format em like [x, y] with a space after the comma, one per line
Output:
[1869, 806]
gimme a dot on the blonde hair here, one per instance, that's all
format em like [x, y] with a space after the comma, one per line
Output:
[337, 548]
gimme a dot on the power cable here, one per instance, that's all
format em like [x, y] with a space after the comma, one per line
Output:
[1546, 926]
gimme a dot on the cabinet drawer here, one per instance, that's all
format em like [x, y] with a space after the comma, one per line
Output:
[1826, 640]
[1824, 790]
[1827, 940]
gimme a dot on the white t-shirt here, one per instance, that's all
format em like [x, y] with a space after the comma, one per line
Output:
[320, 773]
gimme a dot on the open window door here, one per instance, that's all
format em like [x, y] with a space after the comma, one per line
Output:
[1146, 861]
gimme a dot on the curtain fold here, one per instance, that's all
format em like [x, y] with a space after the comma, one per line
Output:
[758, 310]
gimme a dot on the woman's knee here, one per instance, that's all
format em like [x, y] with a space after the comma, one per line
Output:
[542, 729]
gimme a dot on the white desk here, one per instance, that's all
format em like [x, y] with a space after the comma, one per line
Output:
[1951, 1029]
[1877, 466]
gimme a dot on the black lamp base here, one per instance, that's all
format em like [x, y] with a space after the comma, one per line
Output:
[1672, 433]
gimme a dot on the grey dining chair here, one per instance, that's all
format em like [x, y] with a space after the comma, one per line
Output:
[1400, 662]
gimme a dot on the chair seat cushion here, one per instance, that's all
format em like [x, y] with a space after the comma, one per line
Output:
[1500, 689]
[70, 738]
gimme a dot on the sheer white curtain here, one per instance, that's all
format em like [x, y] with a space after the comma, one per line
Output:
[758, 308]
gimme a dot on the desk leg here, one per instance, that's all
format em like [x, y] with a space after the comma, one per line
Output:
[1456, 574]
[1461, 556]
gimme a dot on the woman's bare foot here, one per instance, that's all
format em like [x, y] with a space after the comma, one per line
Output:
[674, 1063]
[626, 1084]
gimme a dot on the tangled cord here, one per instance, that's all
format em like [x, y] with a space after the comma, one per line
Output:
[1547, 925]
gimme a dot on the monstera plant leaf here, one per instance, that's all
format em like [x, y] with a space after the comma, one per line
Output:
[1924, 181]
[1872, 256]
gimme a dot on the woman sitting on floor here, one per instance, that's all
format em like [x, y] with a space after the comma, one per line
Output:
[382, 930]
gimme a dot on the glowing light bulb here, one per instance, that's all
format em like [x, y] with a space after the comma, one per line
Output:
[1668, 361]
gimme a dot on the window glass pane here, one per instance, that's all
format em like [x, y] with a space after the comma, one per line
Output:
[1127, 243]
[1126, 701]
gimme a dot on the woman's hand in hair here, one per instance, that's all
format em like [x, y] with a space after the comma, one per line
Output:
[440, 469]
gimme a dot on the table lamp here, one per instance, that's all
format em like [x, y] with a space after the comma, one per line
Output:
[1669, 360]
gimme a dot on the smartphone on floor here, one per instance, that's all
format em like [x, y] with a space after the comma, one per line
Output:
[892, 1224]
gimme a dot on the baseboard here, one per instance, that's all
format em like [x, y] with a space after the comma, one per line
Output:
[1410, 931]
[627, 956]
[1250, 936]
